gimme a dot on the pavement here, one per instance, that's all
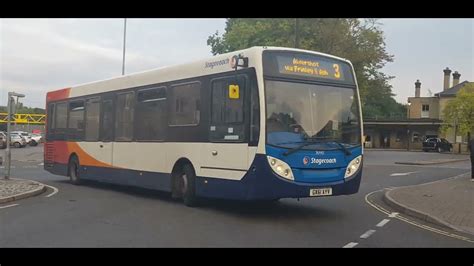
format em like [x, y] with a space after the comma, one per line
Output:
[15, 189]
[447, 202]
[433, 161]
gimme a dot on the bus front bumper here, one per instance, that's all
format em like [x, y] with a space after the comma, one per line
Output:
[261, 183]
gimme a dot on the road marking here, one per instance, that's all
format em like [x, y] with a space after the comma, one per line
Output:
[351, 245]
[41, 164]
[393, 214]
[367, 234]
[402, 174]
[8, 206]
[52, 193]
[422, 226]
[30, 166]
[383, 222]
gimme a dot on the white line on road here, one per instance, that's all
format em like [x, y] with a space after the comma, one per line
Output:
[52, 193]
[393, 214]
[41, 164]
[401, 174]
[8, 206]
[383, 222]
[422, 226]
[351, 245]
[367, 234]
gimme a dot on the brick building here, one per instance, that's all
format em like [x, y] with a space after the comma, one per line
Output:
[424, 119]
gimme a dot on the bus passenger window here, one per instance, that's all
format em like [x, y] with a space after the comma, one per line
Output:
[151, 114]
[60, 119]
[124, 117]
[107, 122]
[92, 119]
[185, 104]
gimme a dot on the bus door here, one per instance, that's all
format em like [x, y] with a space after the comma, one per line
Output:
[105, 142]
[226, 155]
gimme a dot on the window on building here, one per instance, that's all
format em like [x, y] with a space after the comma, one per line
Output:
[124, 117]
[151, 114]
[399, 136]
[60, 120]
[425, 110]
[92, 119]
[185, 104]
[416, 137]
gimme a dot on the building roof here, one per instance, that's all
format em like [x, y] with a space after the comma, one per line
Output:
[403, 122]
[453, 90]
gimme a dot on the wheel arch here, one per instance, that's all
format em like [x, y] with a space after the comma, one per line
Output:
[178, 165]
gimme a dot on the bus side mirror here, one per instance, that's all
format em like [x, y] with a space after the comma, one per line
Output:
[239, 61]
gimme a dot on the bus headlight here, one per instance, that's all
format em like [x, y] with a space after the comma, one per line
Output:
[353, 166]
[281, 168]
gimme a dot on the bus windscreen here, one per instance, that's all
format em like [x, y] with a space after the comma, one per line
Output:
[307, 66]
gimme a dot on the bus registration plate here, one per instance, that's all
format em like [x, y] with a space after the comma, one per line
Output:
[314, 192]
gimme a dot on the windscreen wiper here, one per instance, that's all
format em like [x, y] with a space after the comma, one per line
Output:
[314, 140]
[288, 152]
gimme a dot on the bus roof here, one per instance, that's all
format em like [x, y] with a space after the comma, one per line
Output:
[210, 65]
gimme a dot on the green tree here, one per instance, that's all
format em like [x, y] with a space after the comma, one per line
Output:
[460, 111]
[360, 41]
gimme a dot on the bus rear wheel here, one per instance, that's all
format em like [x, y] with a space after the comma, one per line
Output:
[184, 185]
[74, 171]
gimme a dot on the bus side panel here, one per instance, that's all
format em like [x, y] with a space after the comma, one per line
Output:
[128, 177]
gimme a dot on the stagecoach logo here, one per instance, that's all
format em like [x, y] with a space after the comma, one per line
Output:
[222, 62]
[307, 160]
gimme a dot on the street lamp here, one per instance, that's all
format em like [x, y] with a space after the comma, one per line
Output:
[11, 112]
[296, 33]
[124, 39]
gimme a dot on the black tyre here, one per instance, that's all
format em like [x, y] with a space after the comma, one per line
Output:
[17, 145]
[74, 171]
[185, 185]
[33, 143]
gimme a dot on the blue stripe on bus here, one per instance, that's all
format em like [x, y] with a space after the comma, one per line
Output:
[259, 183]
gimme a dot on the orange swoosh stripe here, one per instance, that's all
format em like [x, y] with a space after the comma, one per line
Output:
[84, 157]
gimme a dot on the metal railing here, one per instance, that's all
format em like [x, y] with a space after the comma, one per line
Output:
[38, 119]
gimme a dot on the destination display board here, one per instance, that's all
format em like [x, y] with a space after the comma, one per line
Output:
[303, 65]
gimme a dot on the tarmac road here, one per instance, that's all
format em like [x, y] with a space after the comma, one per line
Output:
[96, 215]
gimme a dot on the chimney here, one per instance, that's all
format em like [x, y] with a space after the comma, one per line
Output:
[447, 73]
[417, 88]
[456, 77]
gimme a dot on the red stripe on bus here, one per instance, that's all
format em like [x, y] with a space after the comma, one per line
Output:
[58, 95]
[62, 150]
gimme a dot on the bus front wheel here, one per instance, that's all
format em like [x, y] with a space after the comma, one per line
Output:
[74, 171]
[184, 187]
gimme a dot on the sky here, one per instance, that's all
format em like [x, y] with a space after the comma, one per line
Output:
[40, 55]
